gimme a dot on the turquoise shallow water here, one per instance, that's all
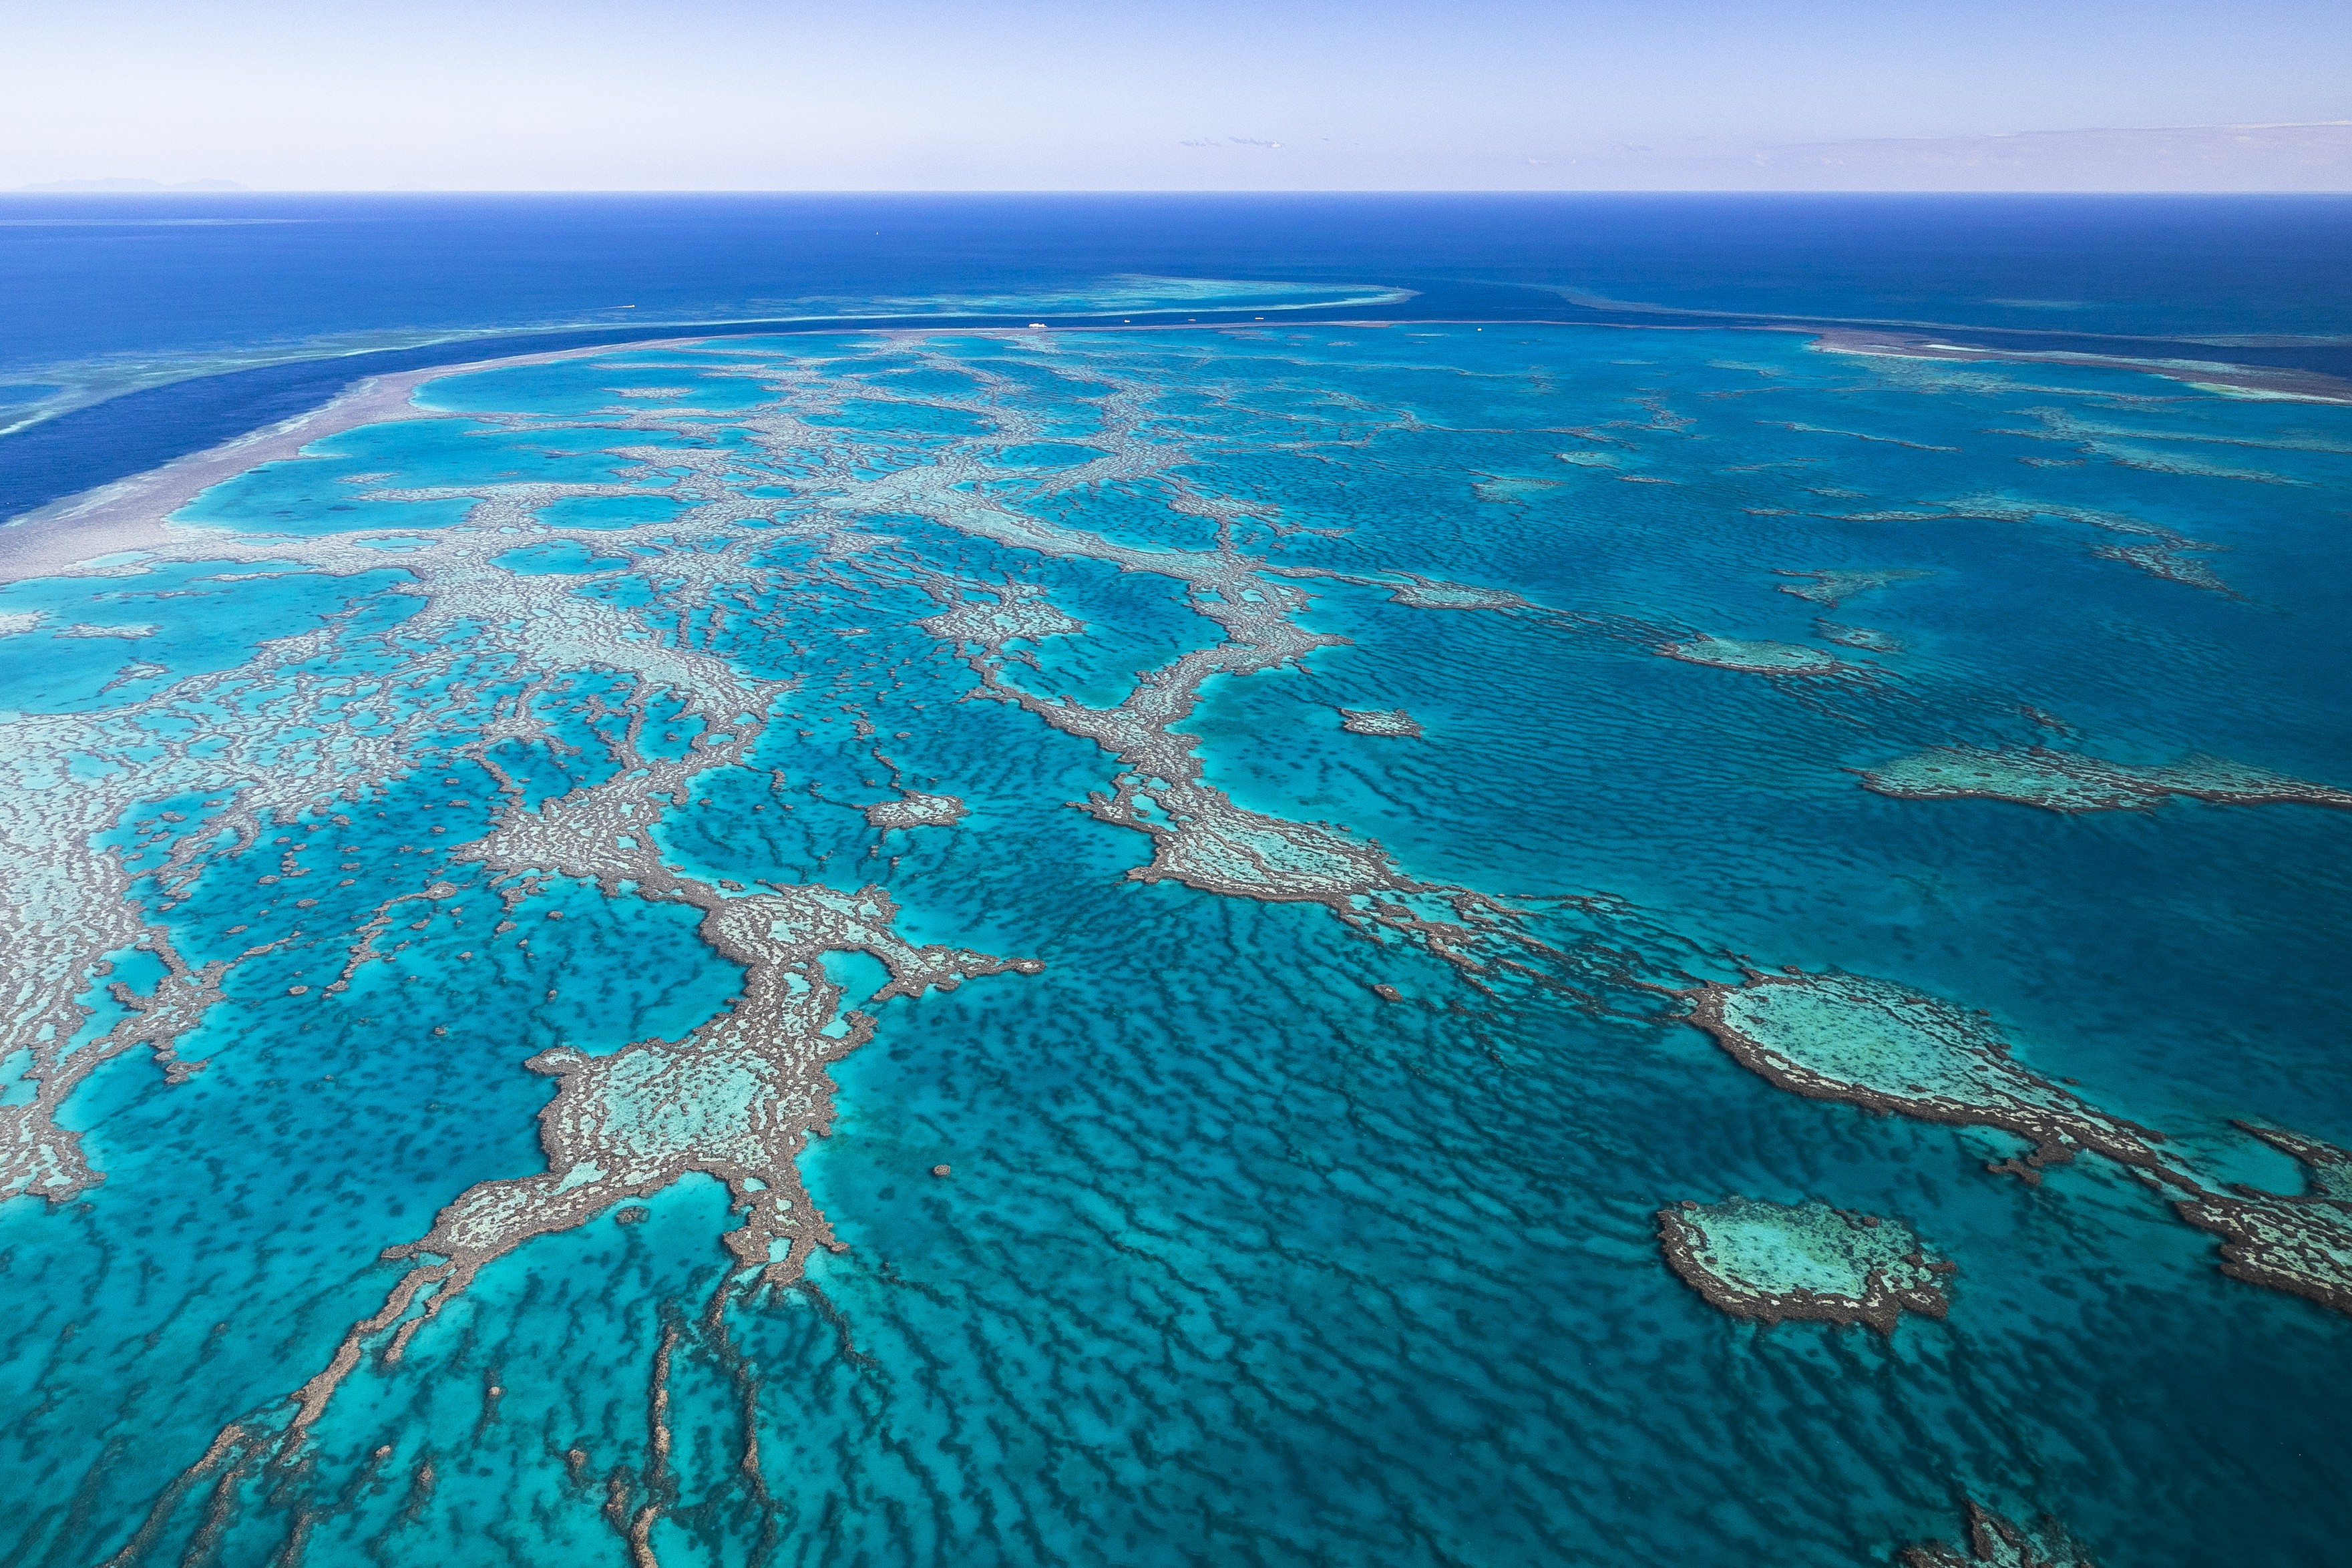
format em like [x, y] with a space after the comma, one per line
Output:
[1238, 1259]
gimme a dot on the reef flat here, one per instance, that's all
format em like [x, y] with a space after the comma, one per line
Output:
[915, 810]
[2073, 782]
[1867, 639]
[1994, 1542]
[2299, 1243]
[2152, 547]
[1391, 722]
[1830, 589]
[1773, 1262]
[1885, 1046]
[1755, 657]
[2296, 385]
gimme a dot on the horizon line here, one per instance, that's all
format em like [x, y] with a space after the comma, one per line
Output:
[53, 189]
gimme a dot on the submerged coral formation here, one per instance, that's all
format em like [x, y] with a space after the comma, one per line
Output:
[2301, 1243]
[1830, 589]
[1393, 722]
[2071, 781]
[620, 658]
[1777, 1261]
[1994, 1542]
[1867, 639]
[70, 911]
[1887, 1047]
[994, 616]
[1423, 595]
[2168, 562]
[637, 674]
[1511, 490]
[912, 809]
[2158, 550]
[1758, 657]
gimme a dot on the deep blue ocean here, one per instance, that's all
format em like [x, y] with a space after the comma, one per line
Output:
[105, 295]
[943, 941]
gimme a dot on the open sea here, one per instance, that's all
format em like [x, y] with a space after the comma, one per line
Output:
[1095, 880]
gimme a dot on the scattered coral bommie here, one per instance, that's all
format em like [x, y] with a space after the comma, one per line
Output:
[1866, 638]
[1393, 722]
[912, 809]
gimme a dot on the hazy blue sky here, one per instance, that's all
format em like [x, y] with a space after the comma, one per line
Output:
[721, 94]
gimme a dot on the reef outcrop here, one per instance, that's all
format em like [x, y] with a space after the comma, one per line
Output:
[1887, 1047]
[1393, 722]
[1759, 657]
[1772, 1262]
[1867, 639]
[1994, 1542]
[2301, 1243]
[912, 809]
[1830, 589]
[2075, 782]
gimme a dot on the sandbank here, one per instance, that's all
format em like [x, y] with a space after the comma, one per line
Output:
[2212, 375]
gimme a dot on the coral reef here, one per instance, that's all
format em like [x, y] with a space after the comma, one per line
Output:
[652, 680]
[1997, 1543]
[2158, 550]
[1423, 595]
[1864, 637]
[1830, 589]
[2166, 561]
[1756, 658]
[912, 809]
[2073, 782]
[1777, 1261]
[1393, 722]
[998, 615]
[1887, 1047]
[2300, 1243]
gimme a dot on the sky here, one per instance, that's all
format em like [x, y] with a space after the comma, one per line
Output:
[1159, 95]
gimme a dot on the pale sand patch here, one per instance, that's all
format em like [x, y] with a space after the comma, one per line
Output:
[129, 514]
[2278, 384]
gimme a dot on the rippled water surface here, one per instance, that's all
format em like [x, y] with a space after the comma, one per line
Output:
[833, 899]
